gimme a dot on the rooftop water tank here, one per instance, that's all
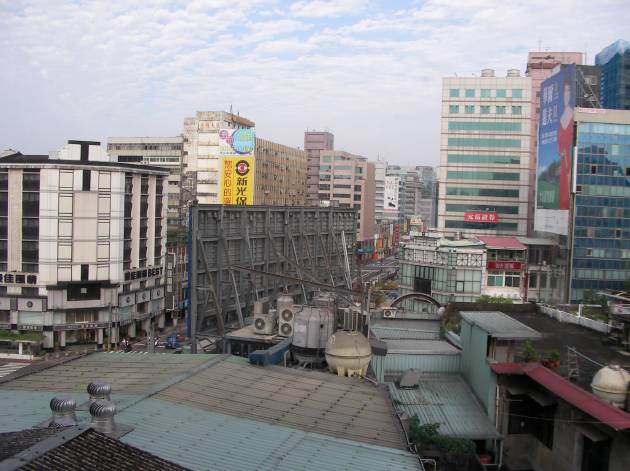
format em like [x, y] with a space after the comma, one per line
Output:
[312, 327]
[513, 73]
[611, 385]
[487, 73]
[348, 353]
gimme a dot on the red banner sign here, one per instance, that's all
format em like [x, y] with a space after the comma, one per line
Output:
[481, 216]
[494, 265]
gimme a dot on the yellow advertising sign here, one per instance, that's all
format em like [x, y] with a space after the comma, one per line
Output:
[237, 180]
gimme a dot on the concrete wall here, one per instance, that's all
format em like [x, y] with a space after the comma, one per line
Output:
[524, 451]
[476, 368]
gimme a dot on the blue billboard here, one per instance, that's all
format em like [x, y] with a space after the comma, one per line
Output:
[555, 151]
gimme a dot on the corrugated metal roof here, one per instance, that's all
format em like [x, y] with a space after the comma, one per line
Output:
[385, 333]
[321, 402]
[126, 372]
[445, 399]
[340, 416]
[536, 241]
[499, 325]
[421, 347]
[502, 243]
[393, 365]
[463, 243]
[21, 409]
[203, 440]
[416, 324]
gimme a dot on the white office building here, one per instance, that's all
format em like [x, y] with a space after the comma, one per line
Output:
[82, 245]
[484, 155]
[163, 152]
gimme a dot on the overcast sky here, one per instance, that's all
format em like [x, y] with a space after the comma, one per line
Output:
[369, 71]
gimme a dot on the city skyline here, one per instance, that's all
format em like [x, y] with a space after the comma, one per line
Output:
[112, 69]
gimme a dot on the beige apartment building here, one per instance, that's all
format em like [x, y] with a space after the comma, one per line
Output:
[348, 181]
[280, 175]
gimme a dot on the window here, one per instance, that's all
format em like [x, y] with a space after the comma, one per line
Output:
[454, 92]
[533, 278]
[495, 279]
[501, 93]
[501, 109]
[513, 279]
[484, 109]
[491, 192]
[470, 93]
[485, 93]
[84, 291]
[483, 159]
[517, 109]
[517, 93]
[326, 158]
[484, 125]
[483, 142]
[453, 109]
[469, 109]
[481, 175]
[86, 180]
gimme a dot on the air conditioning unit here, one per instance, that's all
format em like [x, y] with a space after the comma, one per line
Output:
[286, 319]
[389, 313]
[266, 324]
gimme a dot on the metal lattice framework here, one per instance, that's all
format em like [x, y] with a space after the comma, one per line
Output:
[234, 249]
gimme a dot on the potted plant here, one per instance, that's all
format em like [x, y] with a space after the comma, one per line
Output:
[552, 360]
[529, 353]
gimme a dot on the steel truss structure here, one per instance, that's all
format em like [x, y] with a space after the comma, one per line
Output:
[234, 249]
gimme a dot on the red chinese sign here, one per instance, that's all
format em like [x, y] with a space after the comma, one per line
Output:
[481, 216]
[494, 265]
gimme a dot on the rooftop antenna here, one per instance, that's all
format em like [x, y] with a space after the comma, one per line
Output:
[231, 108]
[539, 45]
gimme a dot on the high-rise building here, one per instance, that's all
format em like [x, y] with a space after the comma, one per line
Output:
[280, 176]
[347, 180]
[614, 61]
[163, 152]
[82, 245]
[540, 66]
[415, 195]
[314, 143]
[485, 154]
[201, 177]
[380, 172]
[599, 225]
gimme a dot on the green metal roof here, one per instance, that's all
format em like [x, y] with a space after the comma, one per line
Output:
[499, 325]
[220, 412]
[448, 400]
[206, 440]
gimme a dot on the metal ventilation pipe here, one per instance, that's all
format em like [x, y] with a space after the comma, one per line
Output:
[102, 413]
[63, 411]
[99, 390]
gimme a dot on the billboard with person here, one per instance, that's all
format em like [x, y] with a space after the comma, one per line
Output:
[237, 141]
[390, 197]
[555, 151]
